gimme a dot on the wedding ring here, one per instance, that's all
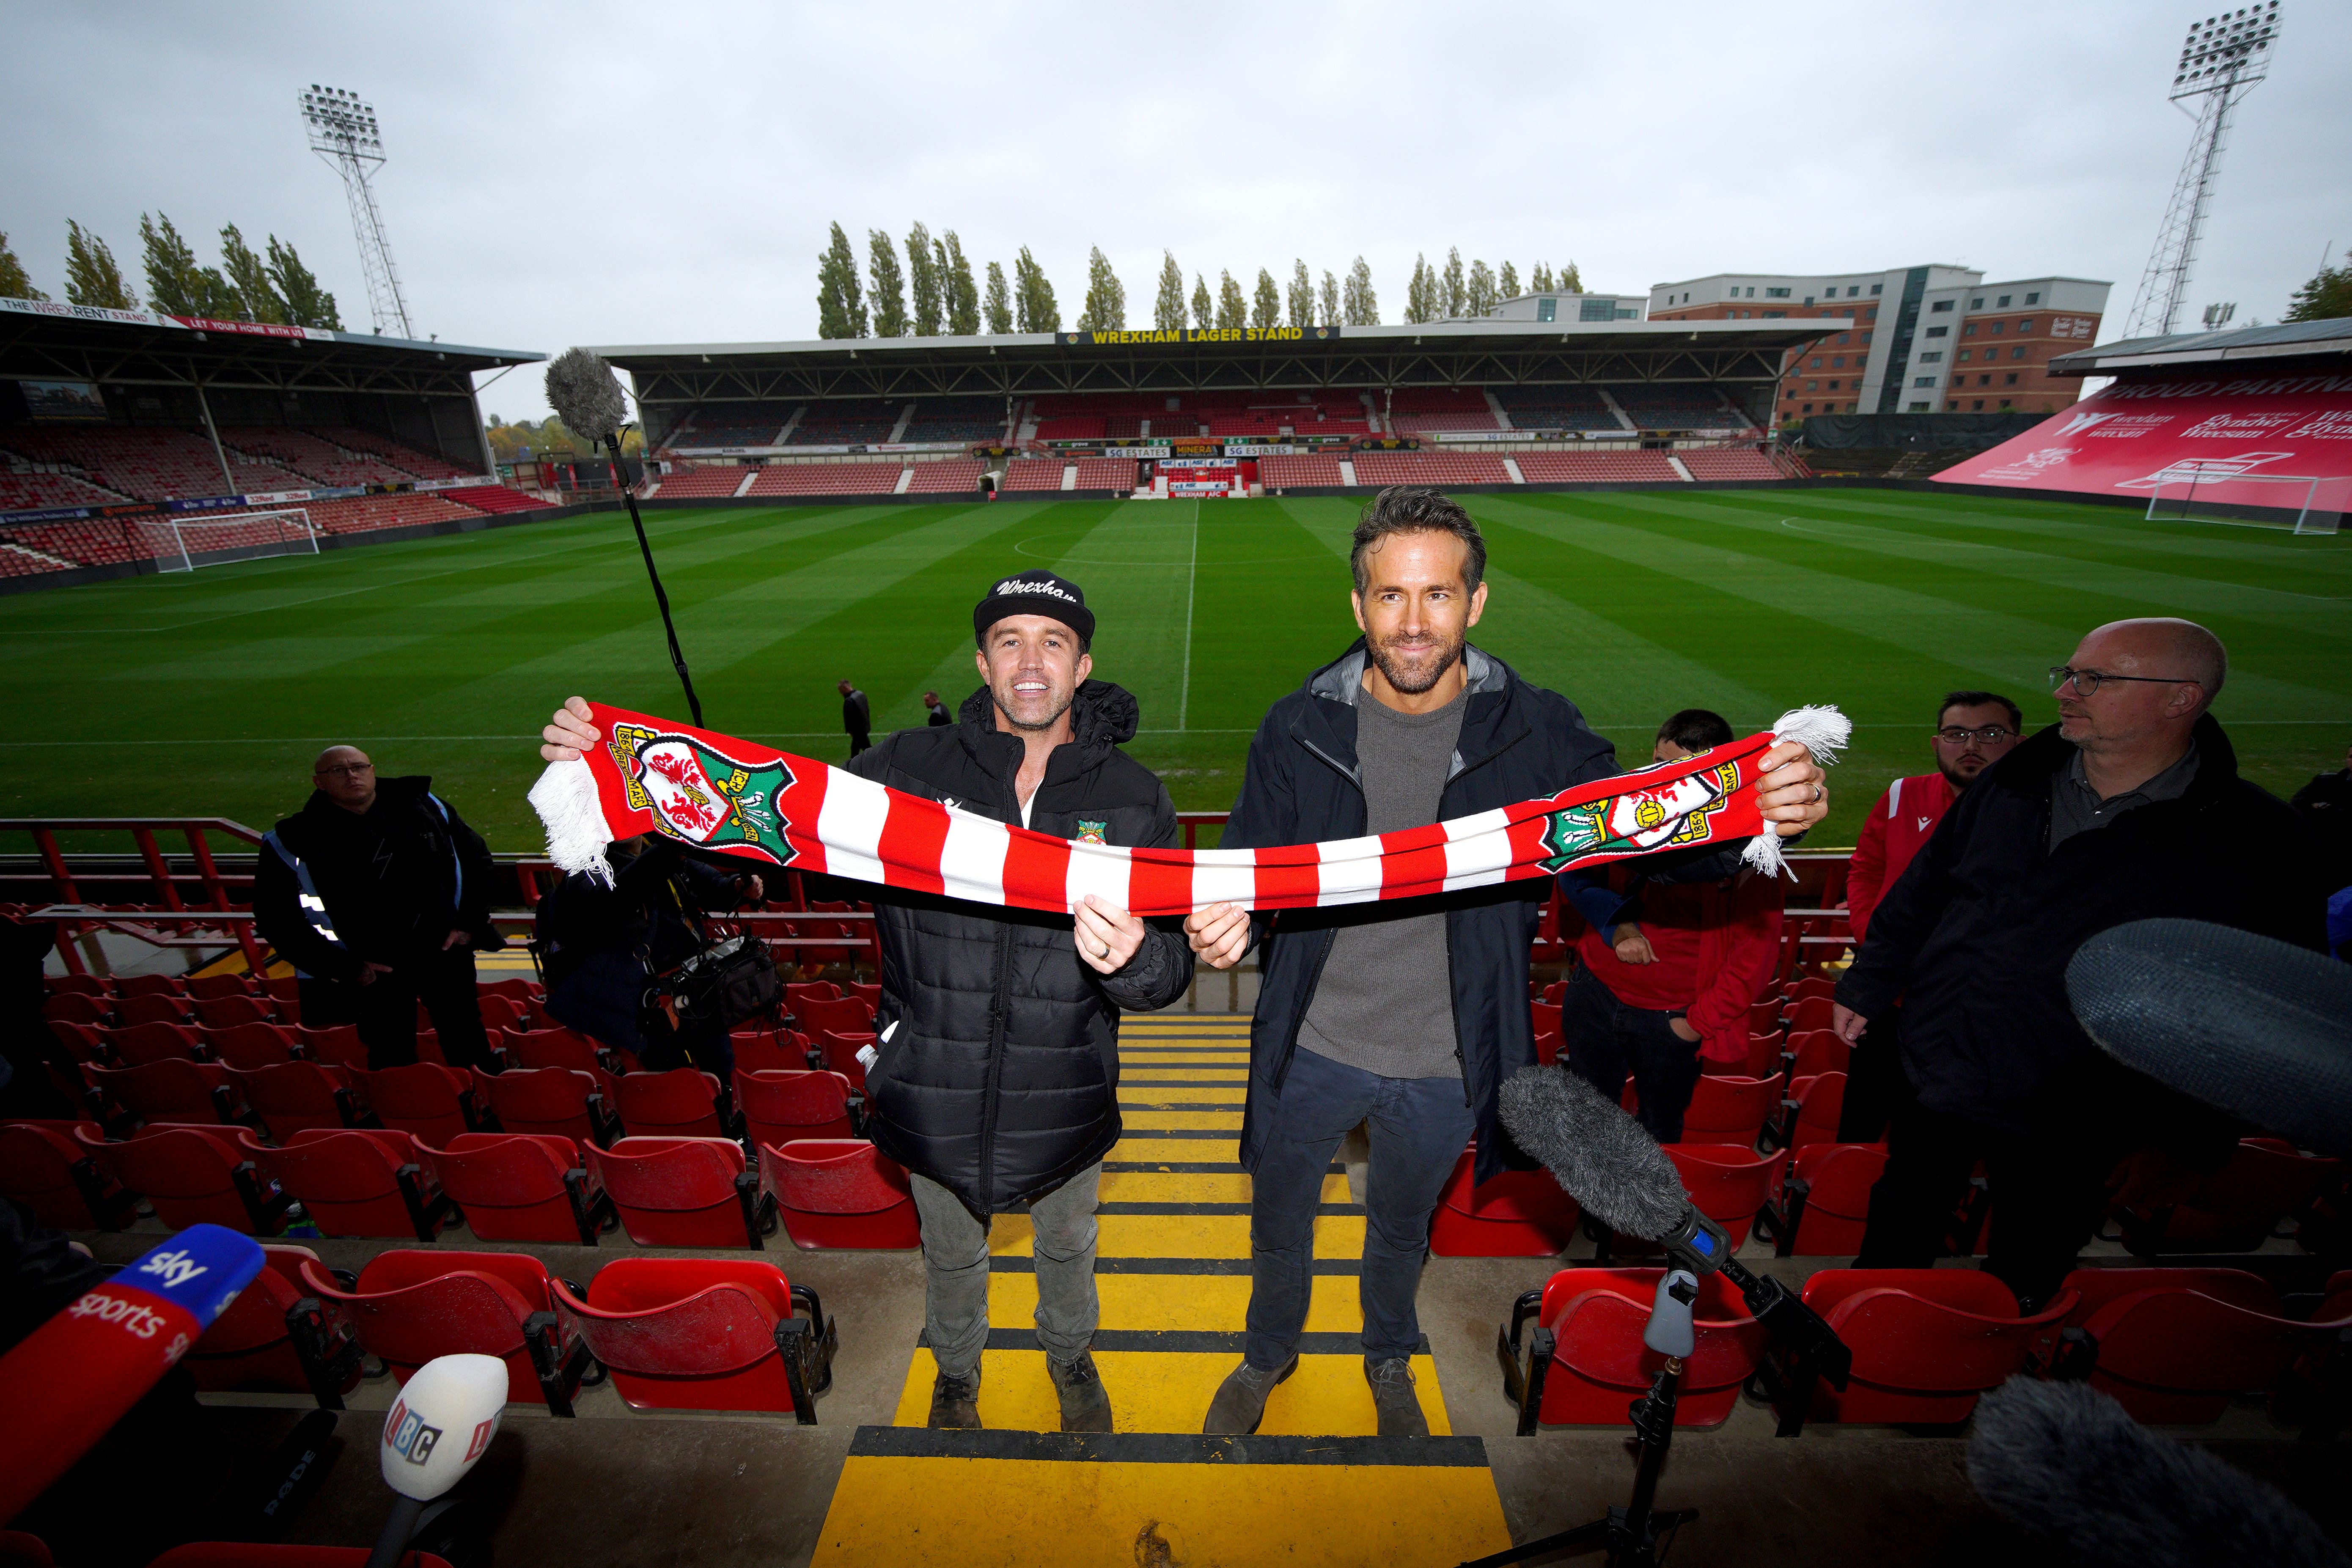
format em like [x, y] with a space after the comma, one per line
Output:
[1818, 792]
[1103, 952]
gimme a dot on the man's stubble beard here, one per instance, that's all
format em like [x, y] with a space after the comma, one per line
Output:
[1046, 723]
[1396, 672]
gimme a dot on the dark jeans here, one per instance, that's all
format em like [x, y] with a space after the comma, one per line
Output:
[1605, 1039]
[1419, 1128]
[385, 1009]
[1874, 1083]
[859, 741]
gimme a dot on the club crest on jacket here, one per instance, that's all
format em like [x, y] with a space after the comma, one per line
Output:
[1673, 813]
[700, 796]
[1093, 832]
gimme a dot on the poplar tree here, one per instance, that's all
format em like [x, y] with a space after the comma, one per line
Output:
[923, 281]
[1168, 309]
[1453, 293]
[1106, 306]
[1418, 293]
[1033, 293]
[1539, 281]
[1265, 304]
[1232, 312]
[840, 301]
[889, 285]
[1300, 297]
[14, 282]
[1329, 299]
[1478, 297]
[306, 304]
[963, 294]
[1509, 281]
[2327, 296]
[999, 306]
[1572, 281]
[1204, 312]
[1362, 305]
[248, 280]
[92, 276]
[176, 284]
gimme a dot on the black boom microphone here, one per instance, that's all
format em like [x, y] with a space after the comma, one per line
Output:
[587, 397]
[2258, 1028]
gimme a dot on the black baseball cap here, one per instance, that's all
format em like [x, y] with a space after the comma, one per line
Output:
[1034, 594]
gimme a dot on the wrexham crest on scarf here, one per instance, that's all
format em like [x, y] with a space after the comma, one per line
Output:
[701, 796]
[1640, 820]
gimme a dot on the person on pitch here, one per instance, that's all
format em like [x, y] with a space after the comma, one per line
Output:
[1973, 731]
[1408, 1013]
[2129, 808]
[996, 1075]
[857, 718]
[378, 893]
[1666, 970]
[935, 712]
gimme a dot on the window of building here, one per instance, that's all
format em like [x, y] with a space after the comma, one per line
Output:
[1809, 408]
[2016, 352]
[1964, 353]
[1817, 361]
[1959, 381]
[1853, 290]
[2010, 379]
[1866, 338]
[1974, 407]
[1948, 407]
[1878, 288]
[1976, 303]
[2004, 405]
[1685, 296]
[1998, 328]
[2005, 299]
[1923, 381]
[1809, 299]
[1837, 361]
[1943, 331]
[1751, 293]
[2033, 299]
[1939, 305]
[1933, 356]
[1916, 408]
[1844, 337]
[1546, 309]
[2026, 325]
[1870, 315]
[1969, 331]
[1776, 294]
[1775, 315]
[1984, 381]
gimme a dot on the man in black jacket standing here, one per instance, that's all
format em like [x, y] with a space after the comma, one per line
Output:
[2129, 808]
[1411, 1012]
[857, 718]
[378, 893]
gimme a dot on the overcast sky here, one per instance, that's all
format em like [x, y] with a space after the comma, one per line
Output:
[666, 172]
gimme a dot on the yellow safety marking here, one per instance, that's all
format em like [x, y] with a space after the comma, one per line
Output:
[1190, 1075]
[1179, 1235]
[1198, 1187]
[1136, 1150]
[1029, 1513]
[1183, 1059]
[1217, 1302]
[1180, 1121]
[1169, 1391]
[1182, 1094]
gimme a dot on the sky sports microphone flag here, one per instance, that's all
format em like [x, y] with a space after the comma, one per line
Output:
[707, 790]
[68, 1381]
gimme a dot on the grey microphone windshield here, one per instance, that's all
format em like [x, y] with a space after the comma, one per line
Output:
[1602, 1157]
[584, 394]
[2260, 1028]
[2068, 1462]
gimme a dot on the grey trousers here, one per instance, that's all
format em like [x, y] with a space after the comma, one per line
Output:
[955, 1272]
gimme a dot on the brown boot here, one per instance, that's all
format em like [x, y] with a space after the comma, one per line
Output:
[1085, 1404]
[955, 1401]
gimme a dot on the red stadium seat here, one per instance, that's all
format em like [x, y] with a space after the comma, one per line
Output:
[867, 993]
[680, 1103]
[76, 1007]
[555, 1100]
[843, 1016]
[1764, 1017]
[2265, 1180]
[562, 1048]
[798, 991]
[1809, 1013]
[1810, 1114]
[498, 1013]
[196, 1175]
[514, 988]
[1587, 1360]
[1545, 1016]
[1514, 1214]
[1823, 1205]
[683, 1192]
[86, 1042]
[839, 1193]
[520, 1187]
[172, 1091]
[151, 1007]
[838, 1053]
[1730, 1111]
[2174, 1345]
[409, 1307]
[681, 1333]
[43, 1168]
[124, 986]
[339, 1046]
[137, 1044]
[72, 985]
[249, 1346]
[238, 1008]
[760, 1051]
[781, 1107]
[208, 987]
[1815, 1052]
[363, 1182]
[295, 1097]
[1808, 985]
[425, 1099]
[250, 1045]
[1926, 1342]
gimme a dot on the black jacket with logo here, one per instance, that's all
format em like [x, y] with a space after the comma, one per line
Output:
[1975, 936]
[1000, 1081]
[396, 880]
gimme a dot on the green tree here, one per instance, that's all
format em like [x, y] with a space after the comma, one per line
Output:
[1572, 281]
[248, 280]
[1204, 312]
[1418, 293]
[1362, 305]
[176, 281]
[840, 300]
[1168, 309]
[999, 306]
[306, 304]
[1266, 302]
[1509, 282]
[1106, 305]
[1232, 312]
[92, 276]
[1328, 300]
[14, 282]
[1033, 292]
[1539, 281]
[963, 294]
[888, 285]
[2327, 296]
[923, 283]
[1453, 292]
[1298, 300]
[1478, 296]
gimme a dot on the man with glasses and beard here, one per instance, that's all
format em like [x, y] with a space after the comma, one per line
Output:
[1407, 1012]
[2129, 808]
[1973, 731]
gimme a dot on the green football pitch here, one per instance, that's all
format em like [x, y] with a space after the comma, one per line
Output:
[209, 693]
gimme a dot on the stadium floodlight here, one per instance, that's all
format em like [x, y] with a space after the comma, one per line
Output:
[2224, 57]
[344, 132]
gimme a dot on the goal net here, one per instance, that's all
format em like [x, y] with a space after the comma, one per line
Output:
[2219, 492]
[183, 544]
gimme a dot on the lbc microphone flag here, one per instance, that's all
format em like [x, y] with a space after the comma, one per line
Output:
[711, 792]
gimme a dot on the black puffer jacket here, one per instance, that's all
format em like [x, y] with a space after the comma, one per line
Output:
[1000, 1079]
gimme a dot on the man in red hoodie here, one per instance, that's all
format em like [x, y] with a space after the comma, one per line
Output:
[1974, 729]
[1667, 970]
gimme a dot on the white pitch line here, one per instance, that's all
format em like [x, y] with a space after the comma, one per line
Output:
[1191, 578]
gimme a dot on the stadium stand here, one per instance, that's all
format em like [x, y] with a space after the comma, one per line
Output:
[1428, 410]
[1596, 1317]
[1034, 474]
[1655, 406]
[1591, 467]
[1556, 409]
[319, 461]
[677, 1333]
[408, 459]
[846, 424]
[957, 419]
[25, 488]
[411, 1306]
[731, 424]
[712, 481]
[1729, 463]
[1431, 467]
[1106, 474]
[827, 478]
[1287, 473]
[959, 475]
[155, 464]
[1073, 427]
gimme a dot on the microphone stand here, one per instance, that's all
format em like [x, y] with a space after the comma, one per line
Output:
[676, 658]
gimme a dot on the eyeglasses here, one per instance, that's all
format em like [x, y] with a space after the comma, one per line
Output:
[1990, 734]
[2088, 682]
[353, 769]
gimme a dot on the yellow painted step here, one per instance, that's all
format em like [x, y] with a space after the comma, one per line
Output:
[1173, 1121]
[1215, 1302]
[1190, 1075]
[1184, 1058]
[1147, 1094]
[1197, 1187]
[1169, 1391]
[1132, 1150]
[1180, 1236]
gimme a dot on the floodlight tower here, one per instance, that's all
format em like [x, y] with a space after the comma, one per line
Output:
[344, 132]
[2224, 57]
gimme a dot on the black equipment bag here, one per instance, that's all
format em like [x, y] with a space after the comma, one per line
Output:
[729, 982]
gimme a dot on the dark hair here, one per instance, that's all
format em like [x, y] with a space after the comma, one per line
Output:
[1404, 509]
[1696, 729]
[1977, 699]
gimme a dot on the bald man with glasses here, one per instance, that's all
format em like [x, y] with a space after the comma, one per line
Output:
[2130, 807]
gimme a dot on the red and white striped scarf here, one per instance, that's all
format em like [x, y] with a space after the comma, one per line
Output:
[708, 790]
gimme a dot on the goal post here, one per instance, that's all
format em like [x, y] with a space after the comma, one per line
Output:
[184, 543]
